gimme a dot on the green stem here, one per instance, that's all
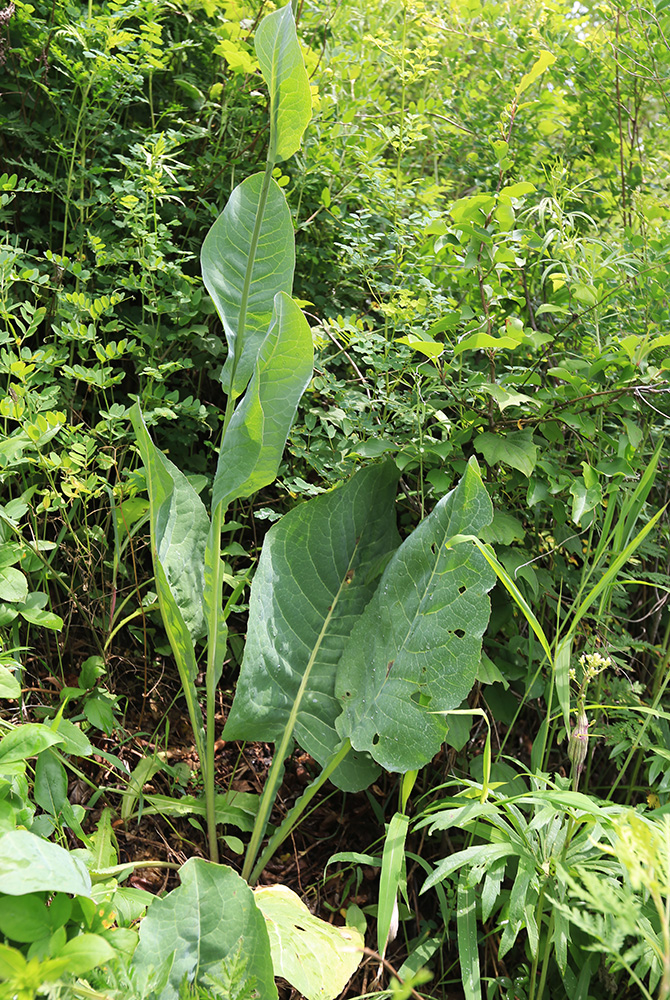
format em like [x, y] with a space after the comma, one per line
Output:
[545, 960]
[70, 180]
[293, 816]
[281, 751]
[214, 587]
[640, 735]
[211, 680]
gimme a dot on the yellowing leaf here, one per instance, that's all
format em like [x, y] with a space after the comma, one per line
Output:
[317, 958]
[545, 60]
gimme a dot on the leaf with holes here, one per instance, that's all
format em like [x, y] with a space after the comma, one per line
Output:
[318, 569]
[317, 958]
[415, 650]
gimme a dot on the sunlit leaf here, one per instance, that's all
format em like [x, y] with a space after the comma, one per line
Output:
[228, 251]
[284, 72]
[315, 957]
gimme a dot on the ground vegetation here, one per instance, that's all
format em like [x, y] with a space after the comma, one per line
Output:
[334, 561]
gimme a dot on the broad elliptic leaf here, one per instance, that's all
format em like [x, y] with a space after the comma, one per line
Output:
[318, 569]
[228, 252]
[179, 531]
[283, 70]
[517, 449]
[26, 741]
[10, 686]
[31, 864]
[316, 958]
[85, 952]
[415, 650]
[256, 436]
[199, 925]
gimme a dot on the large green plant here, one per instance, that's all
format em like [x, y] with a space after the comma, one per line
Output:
[357, 645]
[247, 262]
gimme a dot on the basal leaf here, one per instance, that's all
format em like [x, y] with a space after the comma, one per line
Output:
[256, 436]
[283, 69]
[415, 650]
[198, 925]
[315, 957]
[318, 569]
[227, 253]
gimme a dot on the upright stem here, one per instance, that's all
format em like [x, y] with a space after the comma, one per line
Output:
[294, 814]
[213, 557]
[273, 780]
[547, 953]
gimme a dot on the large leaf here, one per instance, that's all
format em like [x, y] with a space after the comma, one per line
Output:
[30, 864]
[318, 569]
[415, 651]
[256, 436]
[317, 958]
[179, 531]
[284, 73]
[201, 924]
[13, 584]
[230, 257]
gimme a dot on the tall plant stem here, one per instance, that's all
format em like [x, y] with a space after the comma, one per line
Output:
[214, 580]
[281, 750]
[294, 814]
[547, 953]
[70, 174]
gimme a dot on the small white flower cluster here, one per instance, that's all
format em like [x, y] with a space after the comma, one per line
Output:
[592, 664]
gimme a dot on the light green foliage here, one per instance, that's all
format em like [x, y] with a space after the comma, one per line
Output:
[614, 911]
[318, 958]
[283, 69]
[31, 864]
